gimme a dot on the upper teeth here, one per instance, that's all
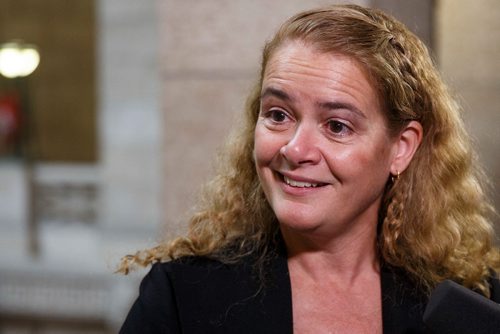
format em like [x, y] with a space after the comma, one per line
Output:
[294, 183]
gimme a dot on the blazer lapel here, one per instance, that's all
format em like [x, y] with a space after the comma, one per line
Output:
[216, 298]
[403, 304]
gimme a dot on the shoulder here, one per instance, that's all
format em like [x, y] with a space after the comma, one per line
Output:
[230, 298]
[201, 264]
[154, 310]
[198, 294]
[188, 265]
[210, 285]
[199, 279]
[167, 293]
[494, 282]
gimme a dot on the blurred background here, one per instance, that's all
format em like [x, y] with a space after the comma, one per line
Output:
[104, 145]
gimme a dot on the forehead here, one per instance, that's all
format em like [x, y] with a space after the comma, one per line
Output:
[304, 53]
[302, 67]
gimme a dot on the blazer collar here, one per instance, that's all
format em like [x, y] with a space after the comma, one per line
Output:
[220, 298]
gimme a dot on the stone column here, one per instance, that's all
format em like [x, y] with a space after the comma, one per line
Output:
[130, 120]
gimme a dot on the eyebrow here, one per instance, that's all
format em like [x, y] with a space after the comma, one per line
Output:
[271, 91]
[341, 105]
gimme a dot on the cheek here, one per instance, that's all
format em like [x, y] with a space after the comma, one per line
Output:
[263, 155]
[259, 151]
[266, 147]
[358, 162]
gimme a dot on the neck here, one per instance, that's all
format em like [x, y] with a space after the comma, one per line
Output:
[342, 258]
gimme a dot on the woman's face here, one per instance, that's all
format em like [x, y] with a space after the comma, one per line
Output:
[322, 150]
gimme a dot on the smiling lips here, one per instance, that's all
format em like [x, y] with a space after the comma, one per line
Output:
[300, 184]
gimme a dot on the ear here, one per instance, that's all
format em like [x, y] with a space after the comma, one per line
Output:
[407, 143]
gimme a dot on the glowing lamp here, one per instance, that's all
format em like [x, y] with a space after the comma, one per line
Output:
[18, 59]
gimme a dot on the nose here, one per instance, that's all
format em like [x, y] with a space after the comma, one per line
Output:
[302, 148]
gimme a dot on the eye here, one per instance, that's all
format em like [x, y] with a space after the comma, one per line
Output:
[276, 119]
[277, 116]
[338, 128]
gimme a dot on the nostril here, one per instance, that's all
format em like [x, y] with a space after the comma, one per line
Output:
[283, 150]
[300, 155]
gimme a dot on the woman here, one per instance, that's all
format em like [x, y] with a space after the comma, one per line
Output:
[349, 194]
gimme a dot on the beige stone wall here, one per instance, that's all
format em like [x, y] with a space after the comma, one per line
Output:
[468, 46]
[417, 15]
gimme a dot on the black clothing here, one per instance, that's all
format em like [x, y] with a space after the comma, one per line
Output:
[199, 295]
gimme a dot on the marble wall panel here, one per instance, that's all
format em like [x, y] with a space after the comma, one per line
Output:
[468, 36]
[199, 115]
[467, 41]
[221, 35]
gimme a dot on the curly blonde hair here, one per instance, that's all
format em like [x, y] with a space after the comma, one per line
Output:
[435, 221]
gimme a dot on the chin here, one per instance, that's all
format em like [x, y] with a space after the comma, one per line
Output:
[298, 221]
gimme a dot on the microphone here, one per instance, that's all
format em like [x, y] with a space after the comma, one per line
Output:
[455, 309]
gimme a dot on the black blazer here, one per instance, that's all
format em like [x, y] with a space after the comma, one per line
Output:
[199, 295]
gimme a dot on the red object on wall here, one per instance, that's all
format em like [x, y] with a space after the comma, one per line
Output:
[10, 123]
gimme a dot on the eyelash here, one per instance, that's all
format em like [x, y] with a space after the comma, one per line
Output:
[270, 114]
[346, 130]
[274, 112]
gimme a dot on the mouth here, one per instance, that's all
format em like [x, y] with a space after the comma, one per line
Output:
[301, 184]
